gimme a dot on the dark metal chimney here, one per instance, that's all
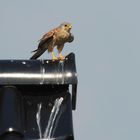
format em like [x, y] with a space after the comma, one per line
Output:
[27, 84]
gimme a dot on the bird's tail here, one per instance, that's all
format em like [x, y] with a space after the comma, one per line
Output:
[34, 51]
[38, 53]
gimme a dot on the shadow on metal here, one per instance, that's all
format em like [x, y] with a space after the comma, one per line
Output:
[24, 85]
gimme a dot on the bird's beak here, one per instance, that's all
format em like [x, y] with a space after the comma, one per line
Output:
[70, 26]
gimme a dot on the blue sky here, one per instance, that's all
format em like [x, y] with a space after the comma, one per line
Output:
[107, 49]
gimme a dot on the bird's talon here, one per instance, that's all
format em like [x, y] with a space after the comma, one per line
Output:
[62, 58]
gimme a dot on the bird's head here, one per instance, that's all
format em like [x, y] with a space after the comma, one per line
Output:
[66, 26]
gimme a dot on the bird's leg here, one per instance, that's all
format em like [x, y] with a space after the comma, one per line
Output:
[53, 57]
[60, 56]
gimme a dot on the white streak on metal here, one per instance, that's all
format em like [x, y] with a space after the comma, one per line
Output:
[35, 76]
[69, 74]
[38, 117]
[52, 118]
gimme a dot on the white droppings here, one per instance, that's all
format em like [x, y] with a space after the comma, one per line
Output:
[41, 83]
[47, 61]
[23, 62]
[10, 129]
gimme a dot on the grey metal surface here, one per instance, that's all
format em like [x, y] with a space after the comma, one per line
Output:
[15, 72]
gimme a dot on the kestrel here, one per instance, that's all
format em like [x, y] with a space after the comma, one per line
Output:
[54, 38]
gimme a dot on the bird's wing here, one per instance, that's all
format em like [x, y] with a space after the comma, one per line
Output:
[46, 39]
[43, 44]
[38, 53]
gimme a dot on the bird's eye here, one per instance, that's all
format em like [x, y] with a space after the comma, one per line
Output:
[65, 25]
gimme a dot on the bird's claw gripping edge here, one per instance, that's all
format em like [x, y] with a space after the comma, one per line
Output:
[61, 57]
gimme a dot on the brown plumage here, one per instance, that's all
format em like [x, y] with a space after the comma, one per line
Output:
[56, 37]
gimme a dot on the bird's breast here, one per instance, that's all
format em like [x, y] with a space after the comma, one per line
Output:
[62, 37]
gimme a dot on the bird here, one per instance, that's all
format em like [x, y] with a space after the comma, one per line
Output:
[56, 37]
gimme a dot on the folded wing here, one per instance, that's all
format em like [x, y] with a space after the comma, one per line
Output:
[45, 41]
